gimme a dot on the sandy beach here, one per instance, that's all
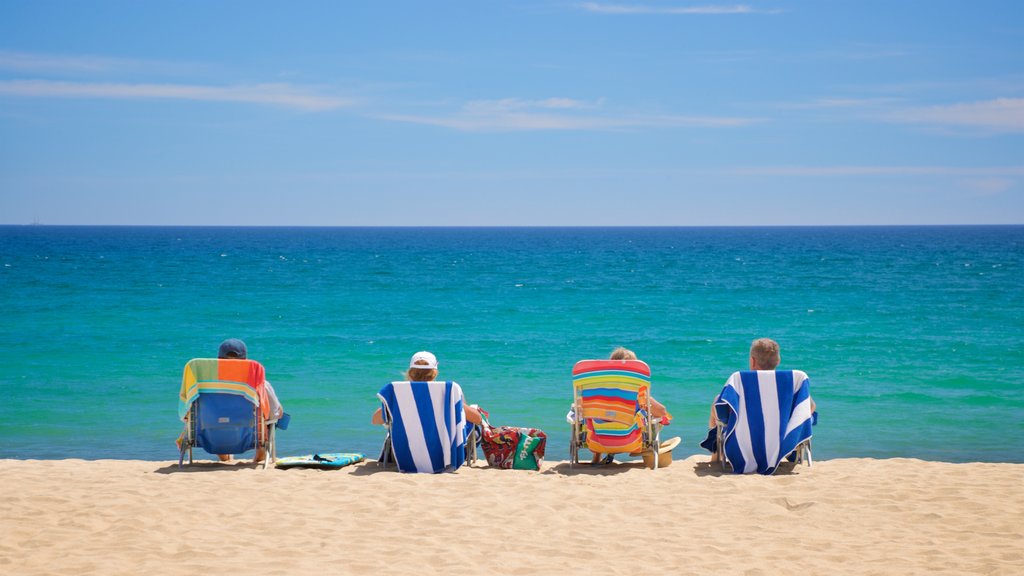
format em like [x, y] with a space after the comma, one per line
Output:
[849, 516]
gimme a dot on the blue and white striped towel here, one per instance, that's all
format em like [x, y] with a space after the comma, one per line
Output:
[767, 415]
[428, 425]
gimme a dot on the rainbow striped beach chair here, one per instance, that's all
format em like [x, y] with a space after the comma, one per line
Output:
[611, 408]
[225, 408]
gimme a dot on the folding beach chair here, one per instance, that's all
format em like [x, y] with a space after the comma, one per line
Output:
[764, 416]
[225, 408]
[426, 426]
[611, 409]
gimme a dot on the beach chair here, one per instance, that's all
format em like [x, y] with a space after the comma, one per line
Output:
[225, 408]
[611, 409]
[764, 417]
[426, 426]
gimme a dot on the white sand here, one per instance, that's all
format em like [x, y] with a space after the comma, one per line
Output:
[851, 516]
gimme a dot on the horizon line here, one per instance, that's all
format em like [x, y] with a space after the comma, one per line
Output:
[499, 226]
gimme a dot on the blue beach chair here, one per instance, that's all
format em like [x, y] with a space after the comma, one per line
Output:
[426, 426]
[224, 405]
[764, 416]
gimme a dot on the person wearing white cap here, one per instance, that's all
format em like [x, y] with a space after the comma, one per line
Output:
[423, 368]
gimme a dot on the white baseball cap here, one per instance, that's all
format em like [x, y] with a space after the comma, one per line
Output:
[423, 361]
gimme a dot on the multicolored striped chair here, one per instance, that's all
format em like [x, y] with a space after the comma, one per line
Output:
[225, 408]
[611, 408]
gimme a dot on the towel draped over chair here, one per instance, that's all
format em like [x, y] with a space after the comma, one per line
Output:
[426, 424]
[767, 415]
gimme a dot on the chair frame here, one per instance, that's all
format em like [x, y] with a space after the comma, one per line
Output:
[802, 450]
[472, 442]
[269, 442]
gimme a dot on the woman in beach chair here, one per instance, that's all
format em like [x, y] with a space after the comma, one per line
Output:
[430, 428]
[762, 415]
[228, 406]
[658, 409]
[612, 411]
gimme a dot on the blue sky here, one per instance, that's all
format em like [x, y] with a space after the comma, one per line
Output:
[512, 113]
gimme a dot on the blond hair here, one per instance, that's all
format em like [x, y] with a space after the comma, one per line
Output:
[621, 353]
[421, 374]
[765, 353]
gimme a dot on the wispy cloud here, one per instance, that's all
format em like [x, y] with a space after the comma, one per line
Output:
[862, 52]
[839, 103]
[984, 172]
[268, 94]
[999, 115]
[512, 104]
[674, 10]
[566, 114]
[988, 186]
[28, 62]
[32, 63]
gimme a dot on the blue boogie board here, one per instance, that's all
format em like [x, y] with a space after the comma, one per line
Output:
[323, 461]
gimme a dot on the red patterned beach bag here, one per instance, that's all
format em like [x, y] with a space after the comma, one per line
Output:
[508, 447]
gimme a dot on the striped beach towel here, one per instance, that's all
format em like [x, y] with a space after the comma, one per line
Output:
[612, 395]
[767, 415]
[243, 378]
[427, 425]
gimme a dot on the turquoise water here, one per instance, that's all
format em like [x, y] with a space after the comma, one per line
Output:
[912, 336]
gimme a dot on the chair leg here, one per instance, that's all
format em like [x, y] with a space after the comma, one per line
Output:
[385, 452]
[656, 443]
[271, 450]
[471, 445]
[574, 446]
[183, 445]
[720, 444]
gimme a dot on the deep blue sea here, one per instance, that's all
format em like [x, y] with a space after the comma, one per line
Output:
[912, 336]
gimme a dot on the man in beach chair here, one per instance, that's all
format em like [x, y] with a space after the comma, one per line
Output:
[429, 427]
[228, 407]
[612, 409]
[762, 415]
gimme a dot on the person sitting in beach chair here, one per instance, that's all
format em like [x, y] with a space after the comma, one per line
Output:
[612, 410]
[430, 428]
[762, 415]
[228, 406]
[658, 409]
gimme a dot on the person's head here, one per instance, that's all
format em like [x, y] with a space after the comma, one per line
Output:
[422, 367]
[232, 348]
[764, 354]
[621, 353]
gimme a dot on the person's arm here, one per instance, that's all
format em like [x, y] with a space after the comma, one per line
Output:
[378, 417]
[658, 409]
[472, 414]
[814, 407]
[276, 409]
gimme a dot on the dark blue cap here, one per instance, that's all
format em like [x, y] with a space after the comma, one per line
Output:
[232, 348]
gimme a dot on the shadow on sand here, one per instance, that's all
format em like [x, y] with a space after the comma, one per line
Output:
[232, 466]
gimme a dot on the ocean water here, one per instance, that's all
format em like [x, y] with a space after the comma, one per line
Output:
[912, 336]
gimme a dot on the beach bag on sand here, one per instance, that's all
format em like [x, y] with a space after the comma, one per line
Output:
[508, 447]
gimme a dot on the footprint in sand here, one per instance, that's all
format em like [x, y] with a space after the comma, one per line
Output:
[792, 506]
